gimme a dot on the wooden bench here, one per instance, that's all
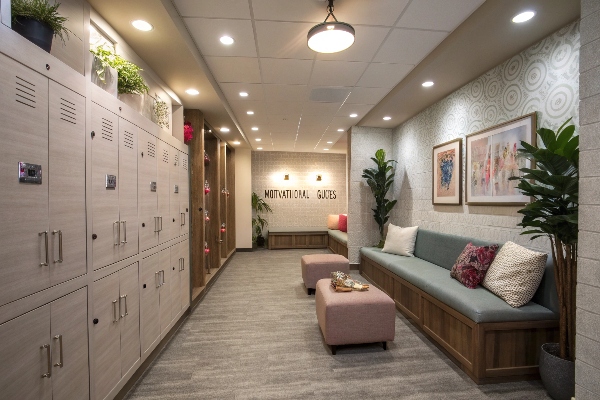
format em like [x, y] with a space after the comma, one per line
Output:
[298, 238]
[337, 246]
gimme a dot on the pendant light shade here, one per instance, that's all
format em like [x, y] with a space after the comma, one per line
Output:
[330, 37]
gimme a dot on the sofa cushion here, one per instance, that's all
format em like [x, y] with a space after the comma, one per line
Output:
[339, 235]
[472, 264]
[343, 223]
[400, 240]
[333, 221]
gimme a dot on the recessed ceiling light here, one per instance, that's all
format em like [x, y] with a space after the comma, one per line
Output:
[353, 115]
[325, 149]
[387, 118]
[258, 139]
[236, 142]
[243, 94]
[250, 112]
[254, 128]
[226, 40]
[329, 142]
[142, 25]
[340, 130]
[522, 17]
[193, 92]
[259, 148]
[427, 84]
[223, 129]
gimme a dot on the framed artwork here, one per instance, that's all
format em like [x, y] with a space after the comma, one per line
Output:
[492, 160]
[447, 173]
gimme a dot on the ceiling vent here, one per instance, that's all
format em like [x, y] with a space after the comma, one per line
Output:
[329, 95]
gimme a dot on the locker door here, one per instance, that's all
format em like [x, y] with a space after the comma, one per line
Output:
[174, 194]
[149, 302]
[24, 360]
[23, 206]
[175, 279]
[128, 190]
[105, 199]
[184, 193]
[106, 335]
[148, 223]
[184, 251]
[130, 320]
[66, 184]
[162, 190]
[68, 328]
[165, 290]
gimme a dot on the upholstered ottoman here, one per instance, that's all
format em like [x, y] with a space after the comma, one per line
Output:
[354, 317]
[320, 266]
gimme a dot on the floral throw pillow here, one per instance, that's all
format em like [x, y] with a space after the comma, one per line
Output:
[472, 264]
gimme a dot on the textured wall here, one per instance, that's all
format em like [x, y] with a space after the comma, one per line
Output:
[362, 229]
[268, 168]
[587, 365]
[543, 78]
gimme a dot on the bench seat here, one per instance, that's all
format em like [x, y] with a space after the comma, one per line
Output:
[298, 238]
[338, 242]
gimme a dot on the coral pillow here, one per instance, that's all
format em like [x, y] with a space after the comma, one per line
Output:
[472, 264]
[343, 223]
[400, 240]
[333, 221]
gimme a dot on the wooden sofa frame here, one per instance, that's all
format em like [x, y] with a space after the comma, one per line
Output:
[487, 352]
[337, 247]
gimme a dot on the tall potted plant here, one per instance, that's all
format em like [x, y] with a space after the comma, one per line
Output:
[380, 180]
[259, 206]
[38, 21]
[553, 212]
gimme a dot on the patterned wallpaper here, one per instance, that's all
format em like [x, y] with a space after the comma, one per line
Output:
[290, 208]
[543, 78]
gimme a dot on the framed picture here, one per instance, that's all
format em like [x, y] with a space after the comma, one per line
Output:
[447, 173]
[492, 160]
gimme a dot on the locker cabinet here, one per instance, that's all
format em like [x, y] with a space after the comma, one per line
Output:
[42, 209]
[44, 352]
[115, 329]
[180, 278]
[163, 173]
[175, 216]
[149, 221]
[184, 193]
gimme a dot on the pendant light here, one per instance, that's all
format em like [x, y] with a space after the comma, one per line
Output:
[330, 37]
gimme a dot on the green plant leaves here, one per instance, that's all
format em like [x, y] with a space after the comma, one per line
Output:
[380, 179]
[129, 80]
[43, 11]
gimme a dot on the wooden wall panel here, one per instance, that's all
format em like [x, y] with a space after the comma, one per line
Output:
[230, 160]
[223, 199]
[211, 201]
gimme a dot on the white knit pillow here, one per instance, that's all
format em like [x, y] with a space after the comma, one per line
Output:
[400, 241]
[515, 274]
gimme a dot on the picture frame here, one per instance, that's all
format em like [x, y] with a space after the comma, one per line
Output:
[447, 173]
[491, 160]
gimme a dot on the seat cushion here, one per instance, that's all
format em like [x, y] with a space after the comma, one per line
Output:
[333, 221]
[400, 240]
[339, 235]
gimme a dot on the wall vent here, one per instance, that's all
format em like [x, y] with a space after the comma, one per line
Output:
[68, 112]
[25, 92]
[329, 95]
[151, 149]
[128, 139]
[107, 129]
[165, 156]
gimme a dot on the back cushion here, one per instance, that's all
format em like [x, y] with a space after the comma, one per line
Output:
[343, 223]
[333, 221]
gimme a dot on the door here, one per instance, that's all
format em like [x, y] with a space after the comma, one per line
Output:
[25, 360]
[165, 290]
[163, 174]
[175, 219]
[175, 272]
[66, 184]
[184, 193]
[130, 317]
[128, 189]
[149, 302]
[106, 335]
[105, 187]
[184, 251]
[23, 206]
[69, 337]
[148, 222]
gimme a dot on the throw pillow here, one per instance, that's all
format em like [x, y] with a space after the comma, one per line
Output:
[472, 264]
[515, 274]
[333, 221]
[343, 223]
[400, 240]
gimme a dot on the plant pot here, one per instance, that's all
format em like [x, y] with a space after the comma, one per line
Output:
[39, 33]
[260, 241]
[558, 375]
[134, 101]
[109, 83]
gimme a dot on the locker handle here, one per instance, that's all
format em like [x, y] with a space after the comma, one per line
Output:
[156, 224]
[118, 232]
[124, 232]
[60, 362]
[162, 277]
[125, 298]
[182, 219]
[115, 312]
[60, 246]
[161, 228]
[180, 264]
[45, 233]
[49, 373]
[157, 279]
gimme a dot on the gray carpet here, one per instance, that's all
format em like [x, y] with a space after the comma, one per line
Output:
[255, 336]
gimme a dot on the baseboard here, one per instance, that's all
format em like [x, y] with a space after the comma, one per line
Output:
[244, 249]
[354, 266]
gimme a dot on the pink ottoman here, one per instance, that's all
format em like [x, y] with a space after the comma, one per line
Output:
[354, 317]
[320, 266]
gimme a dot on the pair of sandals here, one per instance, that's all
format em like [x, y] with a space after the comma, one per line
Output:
[342, 282]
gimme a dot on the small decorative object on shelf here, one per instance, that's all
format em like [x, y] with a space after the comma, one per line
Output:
[206, 249]
[188, 132]
[225, 191]
[206, 187]
[38, 21]
[206, 217]
[161, 113]
[223, 227]
[206, 159]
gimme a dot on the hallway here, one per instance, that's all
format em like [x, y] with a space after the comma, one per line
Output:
[255, 336]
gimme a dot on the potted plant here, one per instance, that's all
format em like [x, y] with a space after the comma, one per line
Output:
[161, 113]
[379, 180]
[38, 21]
[553, 212]
[259, 205]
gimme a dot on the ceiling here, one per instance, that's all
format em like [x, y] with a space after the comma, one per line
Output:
[301, 99]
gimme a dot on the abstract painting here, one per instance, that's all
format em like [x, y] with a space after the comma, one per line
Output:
[492, 159]
[447, 173]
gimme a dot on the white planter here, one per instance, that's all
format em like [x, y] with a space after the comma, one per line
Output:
[134, 101]
[109, 83]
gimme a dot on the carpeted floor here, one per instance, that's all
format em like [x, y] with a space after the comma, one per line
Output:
[255, 336]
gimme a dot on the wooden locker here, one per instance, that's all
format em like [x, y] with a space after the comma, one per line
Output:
[106, 335]
[129, 309]
[69, 337]
[162, 190]
[148, 222]
[128, 189]
[184, 251]
[175, 272]
[23, 206]
[184, 193]
[66, 178]
[105, 198]
[175, 219]
[164, 310]
[149, 303]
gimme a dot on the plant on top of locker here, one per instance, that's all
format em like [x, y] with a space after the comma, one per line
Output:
[25, 11]
[129, 80]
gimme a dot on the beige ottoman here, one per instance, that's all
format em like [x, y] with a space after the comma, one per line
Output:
[354, 317]
[320, 266]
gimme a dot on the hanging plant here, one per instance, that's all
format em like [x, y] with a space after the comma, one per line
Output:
[129, 80]
[161, 113]
[188, 131]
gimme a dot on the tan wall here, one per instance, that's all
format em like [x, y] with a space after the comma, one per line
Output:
[243, 193]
